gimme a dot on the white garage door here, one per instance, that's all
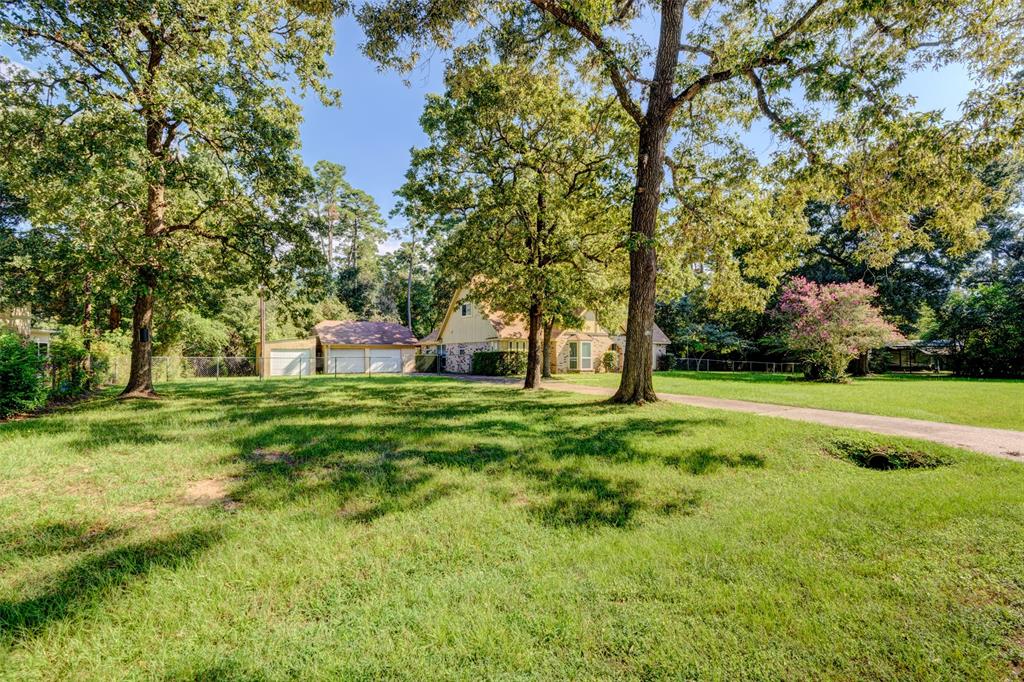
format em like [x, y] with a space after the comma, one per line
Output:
[290, 363]
[346, 361]
[386, 361]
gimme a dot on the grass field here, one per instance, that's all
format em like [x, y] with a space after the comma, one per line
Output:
[979, 402]
[421, 528]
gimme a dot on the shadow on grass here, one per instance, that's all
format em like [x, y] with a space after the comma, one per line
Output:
[572, 456]
[391, 444]
[86, 583]
[51, 538]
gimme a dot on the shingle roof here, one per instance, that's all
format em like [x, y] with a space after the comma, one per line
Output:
[432, 336]
[362, 333]
[508, 326]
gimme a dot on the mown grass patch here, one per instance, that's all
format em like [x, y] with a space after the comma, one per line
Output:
[998, 403]
[421, 528]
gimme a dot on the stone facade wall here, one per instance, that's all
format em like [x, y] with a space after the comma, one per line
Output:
[599, 343]
[459, 356]
[659, 349]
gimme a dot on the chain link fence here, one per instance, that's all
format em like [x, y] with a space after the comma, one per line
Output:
[704, 365]
[167, 368]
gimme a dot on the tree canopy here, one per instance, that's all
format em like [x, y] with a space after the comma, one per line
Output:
[175, 117]
[823, 75]
[523, 181]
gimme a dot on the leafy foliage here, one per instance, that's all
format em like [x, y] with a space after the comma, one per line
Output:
[22, 385]
[499, 363]
[829, 325]
[522, 185]
[70, 373]
[984, 329]
[824, 77]
[161, 137]
[610, 361]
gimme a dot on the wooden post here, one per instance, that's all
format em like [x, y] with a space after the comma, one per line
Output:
[263, 332]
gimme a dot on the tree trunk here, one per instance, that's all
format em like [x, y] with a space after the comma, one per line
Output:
[330, 249]
[114, 317]
[636, 384]
[546, 350]
[533, 359]
[263, 359]
[140, 378]
[158, 140]
[87, 321]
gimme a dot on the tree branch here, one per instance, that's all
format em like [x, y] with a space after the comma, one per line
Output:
[610, 59]
[191, 224]
[768, 57]
[774, 117]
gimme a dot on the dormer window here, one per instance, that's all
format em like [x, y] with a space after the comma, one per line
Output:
[467, 308]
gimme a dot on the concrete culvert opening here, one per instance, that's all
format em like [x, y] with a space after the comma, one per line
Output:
[882, 456]
[879, 462]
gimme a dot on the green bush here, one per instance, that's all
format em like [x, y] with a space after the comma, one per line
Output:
[69, 372]
[22, 384]
[610, 361]
[666, 362]
[110, 356]
[984, 329]
[499, 363]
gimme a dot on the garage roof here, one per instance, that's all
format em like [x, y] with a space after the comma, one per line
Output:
[362, 333]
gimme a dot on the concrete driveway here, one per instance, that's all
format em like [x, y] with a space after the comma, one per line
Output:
[997, 442]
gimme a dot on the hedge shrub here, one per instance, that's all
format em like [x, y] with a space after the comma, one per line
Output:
[22, 384]
[610, 361]
[499, 363]
[68, 356]
[666, 362]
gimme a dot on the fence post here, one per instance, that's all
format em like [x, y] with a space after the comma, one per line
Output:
[217, 360]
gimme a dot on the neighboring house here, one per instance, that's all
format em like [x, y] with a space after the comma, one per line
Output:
[19, 320]
[343, 348]
[916, 355]
[468, 328]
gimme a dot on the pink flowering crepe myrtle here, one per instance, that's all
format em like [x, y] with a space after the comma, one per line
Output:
[829, 325]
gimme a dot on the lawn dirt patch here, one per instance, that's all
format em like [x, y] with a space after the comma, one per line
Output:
[211, 492]
[264, 456]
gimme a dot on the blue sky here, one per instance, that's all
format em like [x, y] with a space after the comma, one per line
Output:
[378, 122]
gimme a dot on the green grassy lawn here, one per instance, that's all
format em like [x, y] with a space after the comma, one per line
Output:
[423, 528]
[979, 402]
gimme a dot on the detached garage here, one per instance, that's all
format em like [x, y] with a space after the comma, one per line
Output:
[289, 358]
[365, 347]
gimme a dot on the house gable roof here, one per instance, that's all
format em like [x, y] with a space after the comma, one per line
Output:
[363, 333]
[659, 336]
[511, 326]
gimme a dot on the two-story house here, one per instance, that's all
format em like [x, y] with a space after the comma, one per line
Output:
[469, 327]
[19, 320]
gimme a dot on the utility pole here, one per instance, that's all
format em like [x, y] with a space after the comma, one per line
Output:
[263, 331]
[408, 284]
